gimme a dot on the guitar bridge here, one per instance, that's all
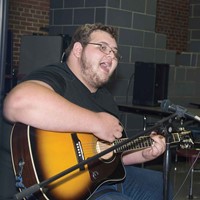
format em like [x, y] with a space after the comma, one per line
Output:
[78, 149]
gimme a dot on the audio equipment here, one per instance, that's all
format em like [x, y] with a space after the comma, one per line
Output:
[150, 83]
[39, 50]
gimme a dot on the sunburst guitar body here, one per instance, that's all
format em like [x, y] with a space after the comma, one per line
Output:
[38, 156]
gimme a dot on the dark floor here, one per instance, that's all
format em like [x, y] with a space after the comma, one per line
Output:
[180, 178]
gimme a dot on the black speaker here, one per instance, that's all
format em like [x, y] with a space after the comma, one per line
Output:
[150, 83]
[37, 51]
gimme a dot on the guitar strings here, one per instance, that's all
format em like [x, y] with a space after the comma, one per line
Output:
[99, 146]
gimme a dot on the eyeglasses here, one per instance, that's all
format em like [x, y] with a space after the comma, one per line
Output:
[106, 49]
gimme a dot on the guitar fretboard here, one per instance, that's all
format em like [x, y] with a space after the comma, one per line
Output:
[137, 144]
[145, 141]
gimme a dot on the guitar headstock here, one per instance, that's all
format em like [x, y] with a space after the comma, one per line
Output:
[183, 138]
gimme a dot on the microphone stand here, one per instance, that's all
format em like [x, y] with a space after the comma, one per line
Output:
[166, 170]
[36, 187]
[167, 166]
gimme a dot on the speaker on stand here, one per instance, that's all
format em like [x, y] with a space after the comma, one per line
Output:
[37, 51]
[150, 83]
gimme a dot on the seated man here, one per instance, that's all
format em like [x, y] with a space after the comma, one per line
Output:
[71, 97]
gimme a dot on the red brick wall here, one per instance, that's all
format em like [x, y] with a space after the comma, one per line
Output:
[172, 20]
[25, 18]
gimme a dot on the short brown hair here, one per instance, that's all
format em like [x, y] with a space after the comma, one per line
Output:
[82, 34]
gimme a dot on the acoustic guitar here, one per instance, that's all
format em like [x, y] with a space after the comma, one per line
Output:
[37, 155]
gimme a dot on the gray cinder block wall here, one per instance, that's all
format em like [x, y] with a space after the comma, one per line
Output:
[137, 41]
[194, 27]
[186, 82]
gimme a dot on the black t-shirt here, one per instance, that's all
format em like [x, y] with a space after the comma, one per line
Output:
[65, 83]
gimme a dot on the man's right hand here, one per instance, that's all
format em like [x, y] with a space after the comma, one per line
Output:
[108, 127]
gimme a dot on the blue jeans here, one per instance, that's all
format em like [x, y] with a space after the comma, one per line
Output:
[139, 184]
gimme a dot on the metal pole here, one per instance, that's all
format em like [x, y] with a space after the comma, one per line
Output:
[3, 46]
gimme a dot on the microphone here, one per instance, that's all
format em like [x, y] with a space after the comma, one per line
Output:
[167, 106]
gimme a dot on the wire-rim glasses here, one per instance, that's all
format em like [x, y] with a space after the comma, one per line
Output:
[106, 49]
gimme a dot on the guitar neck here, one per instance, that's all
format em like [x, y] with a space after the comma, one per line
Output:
[142, 142]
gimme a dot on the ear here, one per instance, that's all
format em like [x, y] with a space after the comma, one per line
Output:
[77, 49]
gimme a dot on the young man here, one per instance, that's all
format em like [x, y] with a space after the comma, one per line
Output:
[71, 97]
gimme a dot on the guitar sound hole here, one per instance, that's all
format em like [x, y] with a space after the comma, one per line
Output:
[102, 146]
